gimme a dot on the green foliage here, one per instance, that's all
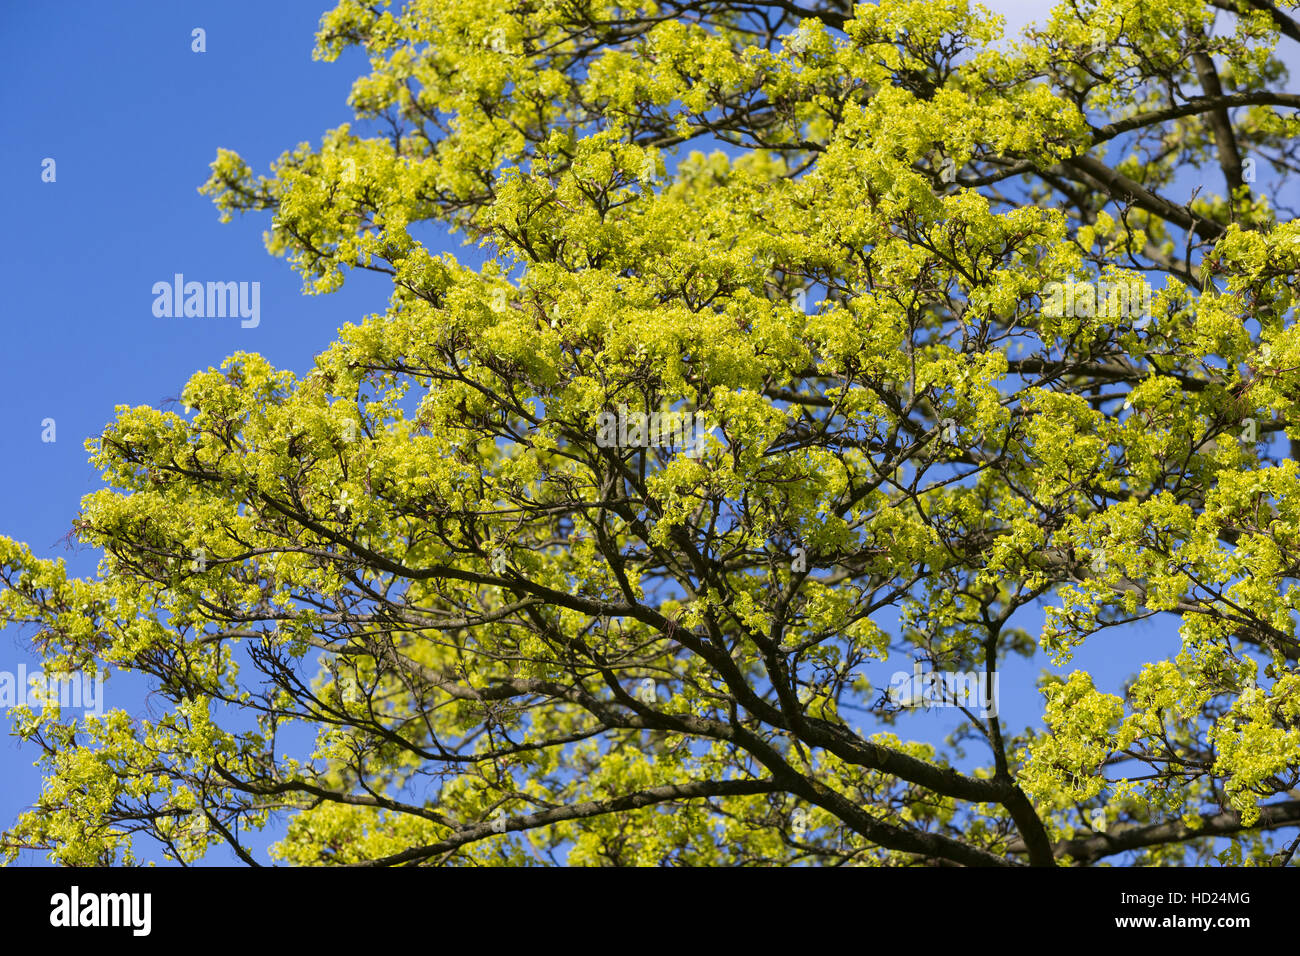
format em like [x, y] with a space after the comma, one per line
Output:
[515, 645]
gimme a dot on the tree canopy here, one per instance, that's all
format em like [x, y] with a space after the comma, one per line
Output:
[805, 336]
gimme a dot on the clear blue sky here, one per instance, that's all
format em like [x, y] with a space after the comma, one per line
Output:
[113, 93]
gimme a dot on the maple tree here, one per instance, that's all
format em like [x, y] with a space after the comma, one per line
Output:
[974, 325]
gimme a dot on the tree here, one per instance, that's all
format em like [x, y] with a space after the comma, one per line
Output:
[806, 334]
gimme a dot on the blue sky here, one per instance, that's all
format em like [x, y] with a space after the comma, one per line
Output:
[132, 118]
